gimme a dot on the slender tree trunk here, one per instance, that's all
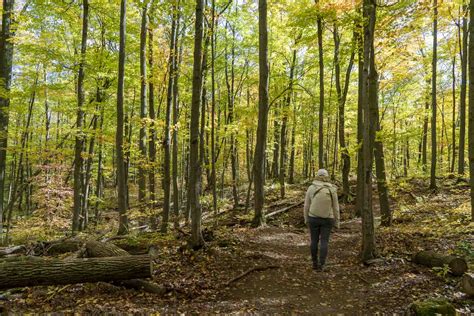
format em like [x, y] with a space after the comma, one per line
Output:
[291, 170]
[360, 124]
[321, 162]
[152, 115]
[471, 102]
[369, 97]
[259, 157]
[176, 204]
[433, 96]
[79, 143]
[284, 124]
[424, 153]
[230, 82]
[195, 168]
[122, 190]
[166, 138]
[276, 141]
[462, 102]
[143, 76]
[213, 107]
[341, 97]
[378, 147]
[453, 160]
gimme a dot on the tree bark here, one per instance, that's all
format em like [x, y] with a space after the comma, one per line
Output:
[152, 115]
[321, 162]
[462, 101]
[166, 138]
[6, 64]
[142, 141]
[259, 157]
[122, 190]
[453, 160]
[176, 204]
[284, 123]
[197, 240]
[213, 106]
[341, 97]
[471, 108]
[368, 98]
[79, 142]
[433, 96]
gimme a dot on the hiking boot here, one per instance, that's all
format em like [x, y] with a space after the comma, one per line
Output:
[319, 268]
[316, 267]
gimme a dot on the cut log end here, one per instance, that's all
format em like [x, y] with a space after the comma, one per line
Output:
[467, 284]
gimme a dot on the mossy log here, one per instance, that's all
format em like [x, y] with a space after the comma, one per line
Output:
[457, 266]
[432, 307]
[46, 271]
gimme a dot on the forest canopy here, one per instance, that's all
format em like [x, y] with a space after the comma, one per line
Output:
[119, 117]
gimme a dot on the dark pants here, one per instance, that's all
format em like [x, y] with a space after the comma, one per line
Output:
[320, 229]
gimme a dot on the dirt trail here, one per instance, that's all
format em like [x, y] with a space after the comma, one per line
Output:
[345, 287]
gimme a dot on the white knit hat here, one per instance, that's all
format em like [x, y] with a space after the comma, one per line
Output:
[323, 173]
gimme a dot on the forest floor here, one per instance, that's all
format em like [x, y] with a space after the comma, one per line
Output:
[283, 282]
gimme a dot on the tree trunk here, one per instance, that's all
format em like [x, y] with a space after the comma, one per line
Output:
[341, 97]
[79, 143]
[195, 169]
[433, 96]
[34, 271]
[259, 157]
[360, 120]
[321, 162]
[122, 190]
[230, 82]
[213, 107]
[453, 160]
[143, 114]
[471, 102]
[152, 115]
[291, 169]
[284, 124]
[457, 266]
[276, 141]
[424, 153]
[166, 138]
[178, 56]
[462, 101]
[6, 59]
[369, 97]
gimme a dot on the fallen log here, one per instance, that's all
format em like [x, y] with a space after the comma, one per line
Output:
[457, 266]
[467, 283]
[284, 209]
[46, 271]
[96, 249]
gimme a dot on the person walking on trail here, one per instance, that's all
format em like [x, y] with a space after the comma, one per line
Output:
[321, 214]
